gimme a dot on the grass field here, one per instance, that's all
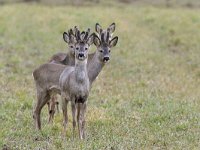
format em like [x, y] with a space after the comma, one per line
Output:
[147, 97]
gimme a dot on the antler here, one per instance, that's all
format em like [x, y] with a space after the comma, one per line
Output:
[102, 38]
[78, 38]
[87, 35]
[70, 33]
[75, 30]
[82, 35]
[107, 37]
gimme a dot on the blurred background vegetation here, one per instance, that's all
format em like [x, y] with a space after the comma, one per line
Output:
[167, 3]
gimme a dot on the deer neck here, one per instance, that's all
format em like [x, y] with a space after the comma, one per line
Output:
[81, 71]
[94, 67]
[71, 59]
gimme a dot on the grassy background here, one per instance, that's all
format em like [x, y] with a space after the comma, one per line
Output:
[147, 97]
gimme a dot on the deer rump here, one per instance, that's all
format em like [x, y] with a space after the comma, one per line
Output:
[47, 78]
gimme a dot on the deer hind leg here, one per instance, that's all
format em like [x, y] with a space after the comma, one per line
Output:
[52, 108]
[65, 115]
[42, 98]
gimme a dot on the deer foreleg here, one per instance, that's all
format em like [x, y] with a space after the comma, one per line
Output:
[73, 105]
[65, 115]
[81, 109]
[84, 107]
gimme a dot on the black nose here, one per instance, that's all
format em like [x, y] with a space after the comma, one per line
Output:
[81, 55]
[106, 58]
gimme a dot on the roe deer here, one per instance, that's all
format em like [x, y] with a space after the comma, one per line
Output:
[47, 80]
[74, 84]
[101, 55]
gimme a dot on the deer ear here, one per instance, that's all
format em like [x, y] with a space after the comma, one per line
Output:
[66, 37]
[90, 40]
[98, 28]
[97, 41]
[111, 28]
[113, 42]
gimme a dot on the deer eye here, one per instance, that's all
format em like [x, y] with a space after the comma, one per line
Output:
[71, 46]
[101, 51]
[109, 51]
[86, 48]
[77, 48]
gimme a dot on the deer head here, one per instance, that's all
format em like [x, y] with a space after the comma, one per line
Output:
[104, 44]
[83, 41]
[69, 38]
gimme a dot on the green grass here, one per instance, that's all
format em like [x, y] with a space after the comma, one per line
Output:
[147, 97]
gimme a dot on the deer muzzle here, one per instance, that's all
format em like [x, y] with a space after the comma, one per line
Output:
[106, 58]
[81, 56]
